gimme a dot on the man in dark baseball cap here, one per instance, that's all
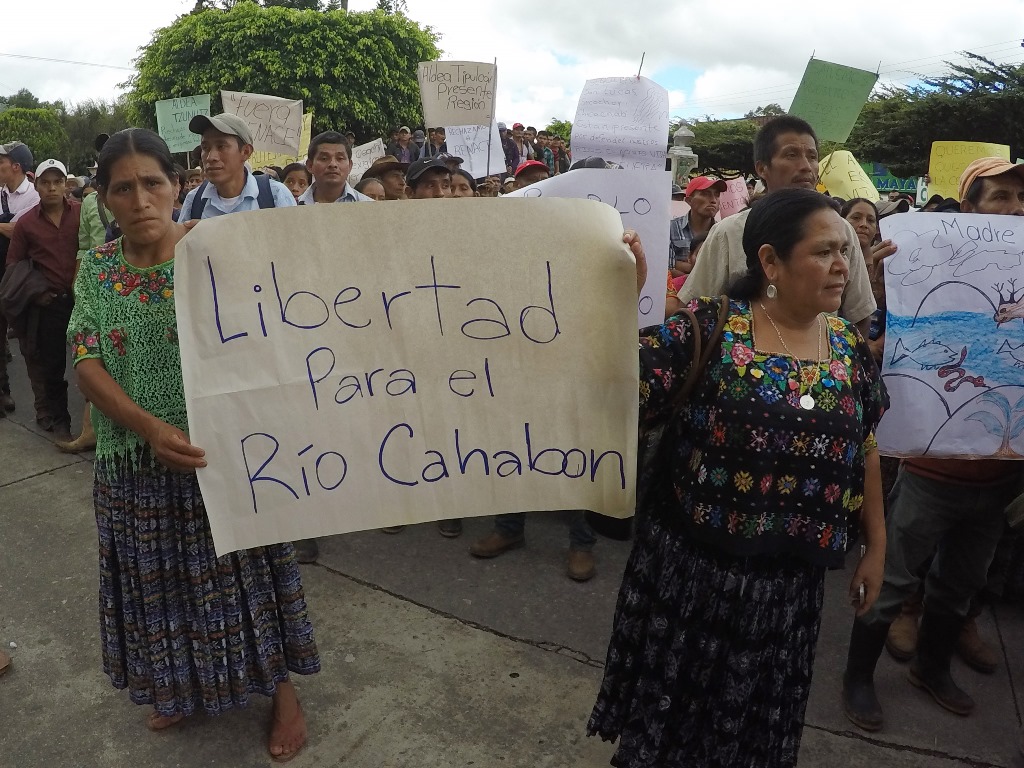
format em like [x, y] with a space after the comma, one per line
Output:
[428, 178]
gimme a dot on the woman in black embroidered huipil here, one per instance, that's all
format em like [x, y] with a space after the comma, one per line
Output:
[713, 645]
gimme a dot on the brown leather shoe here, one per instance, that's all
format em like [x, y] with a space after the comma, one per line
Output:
[902, 639]
[581, 565]
[494, 544]
[973, 649]
[5, 662]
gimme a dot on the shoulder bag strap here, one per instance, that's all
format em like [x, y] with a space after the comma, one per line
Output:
[701, 358]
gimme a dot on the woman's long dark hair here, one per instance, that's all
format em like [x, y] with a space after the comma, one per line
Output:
[133, 141]
[848, 206]
[777, 219]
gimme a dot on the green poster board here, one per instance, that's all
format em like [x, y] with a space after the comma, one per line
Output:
[173, 116]
[830, 98]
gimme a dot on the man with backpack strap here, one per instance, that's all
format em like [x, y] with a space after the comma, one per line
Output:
[229, 186]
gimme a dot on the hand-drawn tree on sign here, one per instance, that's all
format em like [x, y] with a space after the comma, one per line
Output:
[1009, 427]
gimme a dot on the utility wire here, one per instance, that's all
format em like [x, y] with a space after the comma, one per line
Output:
[66, 61]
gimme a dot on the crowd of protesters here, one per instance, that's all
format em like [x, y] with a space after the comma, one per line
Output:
[720, 606]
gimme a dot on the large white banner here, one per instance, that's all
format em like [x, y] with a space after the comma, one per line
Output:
[276, 123]
[954, 340]
[622, 119]
[386, 375]
[642, 199]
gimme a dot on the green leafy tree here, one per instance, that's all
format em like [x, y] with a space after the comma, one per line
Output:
[561, 128]
[24, 99]
[354, 71]
[301, 5]
[724, 147]
[978, 100]
[769, 110]
[39, 129]
[83, 122]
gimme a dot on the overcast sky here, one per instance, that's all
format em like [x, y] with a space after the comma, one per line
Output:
[720, 58]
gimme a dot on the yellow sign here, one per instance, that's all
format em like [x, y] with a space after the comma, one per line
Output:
[843, 177]
[949, 158]
[260, 158]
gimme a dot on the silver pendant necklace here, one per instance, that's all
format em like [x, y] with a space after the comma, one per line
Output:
[806, 400]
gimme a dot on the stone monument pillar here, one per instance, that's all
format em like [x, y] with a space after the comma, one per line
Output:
[681, 157]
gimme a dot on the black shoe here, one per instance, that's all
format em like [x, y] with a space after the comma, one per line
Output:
[306, 551]
[6, 403]
[930, 668]
[45, 423]
[859, 700]
[450, 529]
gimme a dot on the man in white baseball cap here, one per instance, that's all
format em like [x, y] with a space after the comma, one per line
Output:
[47, 234]
[229, 187]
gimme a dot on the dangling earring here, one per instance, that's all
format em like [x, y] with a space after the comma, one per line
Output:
[772, 291]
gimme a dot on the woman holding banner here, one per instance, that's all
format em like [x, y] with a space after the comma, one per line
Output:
[182, 629]
[766, 464]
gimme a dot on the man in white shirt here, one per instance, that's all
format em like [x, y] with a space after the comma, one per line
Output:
[17, 194]
[329, 160]
[229, 187]
[785, 155]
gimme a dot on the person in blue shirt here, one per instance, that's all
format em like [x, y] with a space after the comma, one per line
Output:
[229, 187]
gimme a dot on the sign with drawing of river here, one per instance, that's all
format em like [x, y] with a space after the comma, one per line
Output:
[954, 341]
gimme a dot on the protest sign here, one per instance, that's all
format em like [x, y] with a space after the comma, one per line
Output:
[643, 200]
[950, 158]
[954, 337]
[276, 123]
[385, 375]
[624, 120]
[363, 157]
[844, 177]
[482, 156]
[172, 119]
[734, 199]
[260, 159]
[830, 98]
[457, 92]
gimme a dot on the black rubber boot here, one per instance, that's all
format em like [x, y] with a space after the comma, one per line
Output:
[859, 700]
[930, 668]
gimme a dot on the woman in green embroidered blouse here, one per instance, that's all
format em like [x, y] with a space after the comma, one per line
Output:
[769, 461]
[182, 629]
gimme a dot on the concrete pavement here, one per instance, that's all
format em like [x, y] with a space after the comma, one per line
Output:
[431, 658]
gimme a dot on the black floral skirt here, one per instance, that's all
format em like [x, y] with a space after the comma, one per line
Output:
[711, 655]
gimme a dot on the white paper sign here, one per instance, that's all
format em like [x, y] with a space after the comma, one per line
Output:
[622, 119]
[457, 92]
[482, 156]
[643, 199]
[363, 157]
[954, 339]
[385, 375]
[276, 123]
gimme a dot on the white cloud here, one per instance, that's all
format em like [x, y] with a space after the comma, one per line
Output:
[744, 51]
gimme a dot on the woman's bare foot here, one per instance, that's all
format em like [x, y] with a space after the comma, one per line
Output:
[288, 728]
[158, 722]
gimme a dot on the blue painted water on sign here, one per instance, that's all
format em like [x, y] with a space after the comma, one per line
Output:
[993, 351]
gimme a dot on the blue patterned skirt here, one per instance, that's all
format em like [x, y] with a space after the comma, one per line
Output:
[711, 655]
[181, 628]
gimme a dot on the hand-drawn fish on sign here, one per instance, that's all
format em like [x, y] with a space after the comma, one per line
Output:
[928, 354]
[1017, 353]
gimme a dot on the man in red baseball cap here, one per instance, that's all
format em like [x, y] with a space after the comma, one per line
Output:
[531, 172]
[702, 194]
[524, 146]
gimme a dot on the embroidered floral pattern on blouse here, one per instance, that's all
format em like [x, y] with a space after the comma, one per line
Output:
[151, 287]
